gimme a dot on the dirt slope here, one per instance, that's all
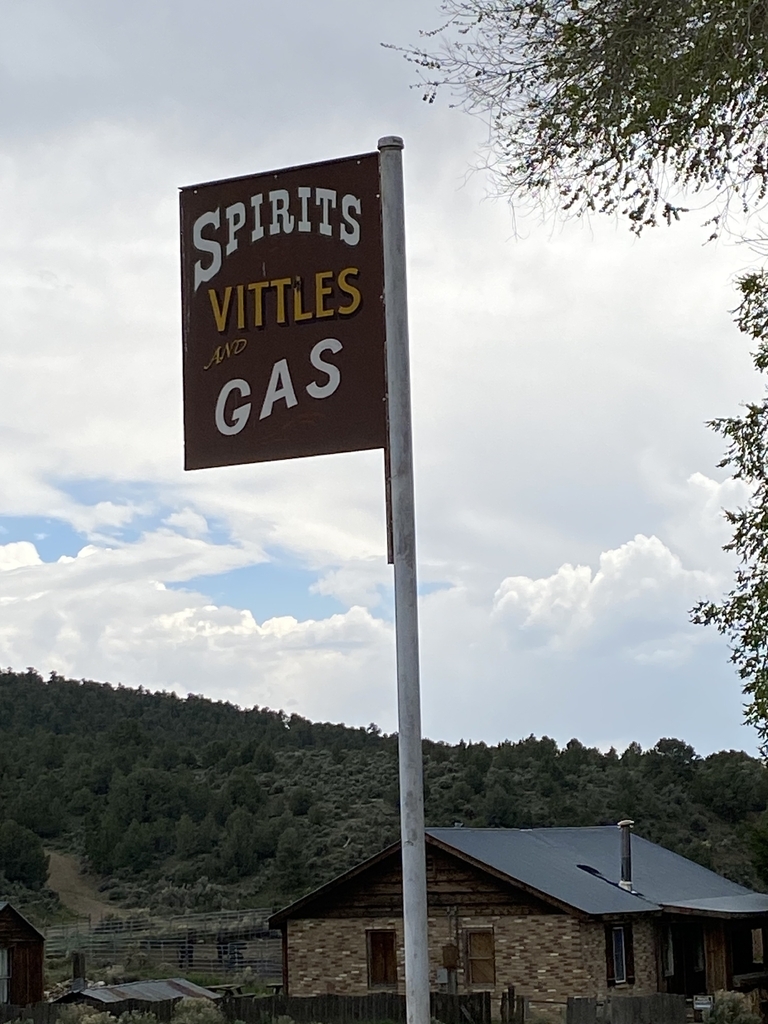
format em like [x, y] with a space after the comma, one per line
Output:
[76, 891]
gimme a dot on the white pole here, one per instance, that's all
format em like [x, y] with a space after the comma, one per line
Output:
[406, 608]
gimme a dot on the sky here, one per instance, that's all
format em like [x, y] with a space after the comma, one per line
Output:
[569, 504]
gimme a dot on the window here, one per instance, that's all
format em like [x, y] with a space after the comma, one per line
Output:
[699, 962]
[481, 968]
[5, 976]
[619, 957]
[757, 945]
[668, 953]
[619, 954]
[382, 959]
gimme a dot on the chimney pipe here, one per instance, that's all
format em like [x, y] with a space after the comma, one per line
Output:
[78, 971]
[626, 854]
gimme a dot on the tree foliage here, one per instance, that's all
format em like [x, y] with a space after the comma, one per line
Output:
[742, 614]
[193, 804]
[22, 858]
[612, 106]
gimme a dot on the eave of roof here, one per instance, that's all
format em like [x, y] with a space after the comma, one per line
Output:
[277, 919]
[5, 904]
[575, 870]
[637, 903]
[749, 905]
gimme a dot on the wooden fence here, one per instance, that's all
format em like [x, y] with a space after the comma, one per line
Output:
[379, 1006]
[659, 1008]
[474, 1008]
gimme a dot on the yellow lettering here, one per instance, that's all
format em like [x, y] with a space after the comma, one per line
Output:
[238, 345]
[258, 301]
[220, 312]
[349, 289]
[240, 307]
[280, 285]
[321, 290]
[215, 358]
[298, 310]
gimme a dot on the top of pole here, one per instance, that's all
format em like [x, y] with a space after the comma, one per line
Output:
[391, 142]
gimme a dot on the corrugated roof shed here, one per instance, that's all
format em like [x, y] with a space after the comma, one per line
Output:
[146, 991]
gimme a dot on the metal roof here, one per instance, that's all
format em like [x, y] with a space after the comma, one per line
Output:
[581, 867]
[148, 991]
[750, 903]
[575, 868]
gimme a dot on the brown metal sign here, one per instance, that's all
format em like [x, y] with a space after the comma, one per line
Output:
[283, 314]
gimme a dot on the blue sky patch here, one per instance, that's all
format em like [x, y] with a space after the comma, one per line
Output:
[267, 589]
[52, 537]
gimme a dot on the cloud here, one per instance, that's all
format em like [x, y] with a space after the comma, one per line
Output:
[561, 383]
[108, 610]
[18, 554]
[635, 603]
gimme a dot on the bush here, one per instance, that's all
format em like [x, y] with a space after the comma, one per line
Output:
[197, 1011]
[732, 1008]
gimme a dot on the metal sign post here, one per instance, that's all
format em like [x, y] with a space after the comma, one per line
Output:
[406, 598]
[283, 330]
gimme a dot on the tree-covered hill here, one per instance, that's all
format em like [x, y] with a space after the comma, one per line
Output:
[195, 804]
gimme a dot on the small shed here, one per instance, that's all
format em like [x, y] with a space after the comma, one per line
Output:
[135, 993]
[21, 959]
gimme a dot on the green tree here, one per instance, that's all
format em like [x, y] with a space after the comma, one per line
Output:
[631, 109]
[742, 614]
[612, 106]
[22, 858]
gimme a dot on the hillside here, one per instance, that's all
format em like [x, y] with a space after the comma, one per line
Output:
[192, 804]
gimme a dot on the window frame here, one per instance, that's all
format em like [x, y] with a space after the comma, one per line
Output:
[383, 986]
[619, 940]
[668, 953]
[628, 953]
[5, 976]
[470, 959]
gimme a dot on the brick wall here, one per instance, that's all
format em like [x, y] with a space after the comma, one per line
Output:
[550, 956]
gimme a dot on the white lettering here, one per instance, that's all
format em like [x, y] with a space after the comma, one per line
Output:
[305, 193]
[235, 219]
[280, 386]
[315, 390]
[240, 413]
[258, 230]
[326, 198]
[213, 217]
[280, 212]
[350, 232]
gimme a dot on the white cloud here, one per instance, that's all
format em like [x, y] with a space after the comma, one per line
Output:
[17, 554]
[188, 521]
[560, 387]
[360, 581]
[639, 593]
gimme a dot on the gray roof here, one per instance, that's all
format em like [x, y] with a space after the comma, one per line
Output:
[148, 991]
[580, 867]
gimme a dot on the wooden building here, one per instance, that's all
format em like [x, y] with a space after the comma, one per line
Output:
[21, 959]
[544, 910]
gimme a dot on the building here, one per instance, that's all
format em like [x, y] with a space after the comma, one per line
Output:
[554, 912]
[21, 959]
[133, 994]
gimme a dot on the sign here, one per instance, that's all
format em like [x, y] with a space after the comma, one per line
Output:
[704, 1003]
[283, 314]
